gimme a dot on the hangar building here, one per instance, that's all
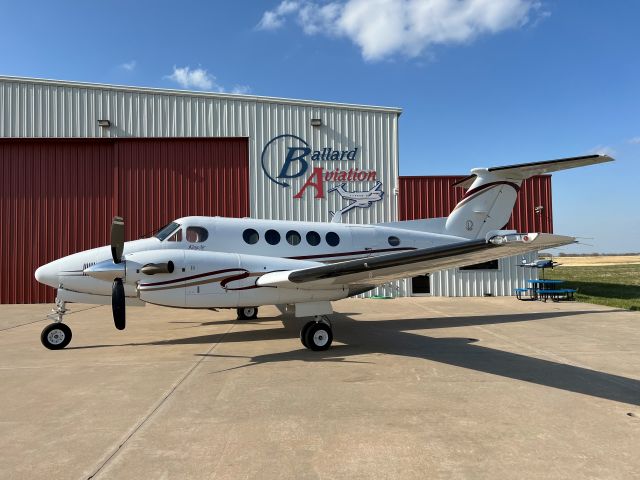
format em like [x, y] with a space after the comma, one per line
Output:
[74, 154]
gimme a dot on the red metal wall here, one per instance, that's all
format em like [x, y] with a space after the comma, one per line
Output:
[58, 196]
[432, 197]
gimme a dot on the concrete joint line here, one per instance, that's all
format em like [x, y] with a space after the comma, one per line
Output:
[156, 407]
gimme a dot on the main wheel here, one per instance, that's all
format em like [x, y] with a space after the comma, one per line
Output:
[56, 336]
[318, 336]
[247, 313]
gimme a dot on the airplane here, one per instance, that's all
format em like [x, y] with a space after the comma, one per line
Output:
[359, 199]
[543, 263]
[244, 263]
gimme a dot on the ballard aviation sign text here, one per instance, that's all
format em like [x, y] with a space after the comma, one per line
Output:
[295, 163]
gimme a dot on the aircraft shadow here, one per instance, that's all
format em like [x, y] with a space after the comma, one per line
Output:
[394, 337]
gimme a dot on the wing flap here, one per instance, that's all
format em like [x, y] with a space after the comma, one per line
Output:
[384, 268]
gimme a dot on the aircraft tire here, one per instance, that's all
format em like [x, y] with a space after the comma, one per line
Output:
[56, 336]
[303, 332]
[318, 336]
[247, 313]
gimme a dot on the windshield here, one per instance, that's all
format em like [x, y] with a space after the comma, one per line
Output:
[165, 231]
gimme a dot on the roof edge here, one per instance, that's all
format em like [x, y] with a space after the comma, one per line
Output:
[198, 93]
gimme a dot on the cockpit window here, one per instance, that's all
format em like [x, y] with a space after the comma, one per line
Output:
[165, 231]
[196, 234]
[176, 237]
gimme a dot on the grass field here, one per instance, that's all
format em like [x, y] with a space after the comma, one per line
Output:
[612, 285]
[597, 260]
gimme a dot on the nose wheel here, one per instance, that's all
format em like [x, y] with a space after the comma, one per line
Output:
[56, 336]
[317, 334]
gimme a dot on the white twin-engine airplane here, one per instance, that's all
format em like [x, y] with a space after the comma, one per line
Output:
[213, 262]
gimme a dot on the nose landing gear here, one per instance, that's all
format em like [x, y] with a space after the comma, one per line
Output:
[57, 335]
[317, 334]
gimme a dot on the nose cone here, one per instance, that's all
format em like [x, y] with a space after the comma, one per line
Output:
[48, 274]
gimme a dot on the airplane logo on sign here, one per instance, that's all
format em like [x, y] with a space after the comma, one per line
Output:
[358, 199]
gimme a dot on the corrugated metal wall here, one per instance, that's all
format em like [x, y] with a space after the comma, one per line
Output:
[55, 109]
[58, 196]
[433, 197]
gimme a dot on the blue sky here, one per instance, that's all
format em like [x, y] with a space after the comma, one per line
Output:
[481, 82]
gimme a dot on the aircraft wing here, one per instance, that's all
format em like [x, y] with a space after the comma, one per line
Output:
[373, 271]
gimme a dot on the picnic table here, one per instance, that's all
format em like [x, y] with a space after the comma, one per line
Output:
[542, 289]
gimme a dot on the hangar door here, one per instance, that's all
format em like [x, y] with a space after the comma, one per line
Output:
[58, 196]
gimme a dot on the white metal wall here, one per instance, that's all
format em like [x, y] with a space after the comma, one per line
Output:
[454, 282]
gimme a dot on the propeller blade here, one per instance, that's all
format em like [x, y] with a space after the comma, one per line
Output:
[117, 239]
[117, 304]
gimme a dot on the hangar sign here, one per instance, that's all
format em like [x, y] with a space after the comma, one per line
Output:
[295, 158]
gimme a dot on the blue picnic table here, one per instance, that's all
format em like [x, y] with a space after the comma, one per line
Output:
[542, 289]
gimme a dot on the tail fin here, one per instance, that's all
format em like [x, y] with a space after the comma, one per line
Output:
[492, 192]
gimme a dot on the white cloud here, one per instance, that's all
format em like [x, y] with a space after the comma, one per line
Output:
[634, 141]
[241, 89]
[273, 19]
[382, 28]
[197, 78]
[129, 66]
[200, 79]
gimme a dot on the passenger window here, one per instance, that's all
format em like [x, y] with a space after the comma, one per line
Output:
[393, 241]
[250, 236]
[272, 237]
[332, 239]
[313, 238]
[293, 237]
[176, 237]
[196, 234]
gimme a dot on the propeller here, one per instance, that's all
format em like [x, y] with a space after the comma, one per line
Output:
[117, 289]
[117, 304]
[117, 238]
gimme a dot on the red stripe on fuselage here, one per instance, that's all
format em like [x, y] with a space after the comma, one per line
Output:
[474, 192]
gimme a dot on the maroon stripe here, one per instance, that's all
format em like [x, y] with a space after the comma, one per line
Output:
[232, 278]
[184, 279]
[250, 287]
[303, 257]
[480, 189]
[346, 254]
[468, 193]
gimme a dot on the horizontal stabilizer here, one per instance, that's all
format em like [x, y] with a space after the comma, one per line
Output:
[526, 170]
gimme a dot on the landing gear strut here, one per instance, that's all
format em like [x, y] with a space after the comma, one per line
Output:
[247, 313]
[57, 335]
[317, 334]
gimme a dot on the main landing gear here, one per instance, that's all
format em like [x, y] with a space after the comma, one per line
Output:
[247, 313]
[57, 335]
[317, 334]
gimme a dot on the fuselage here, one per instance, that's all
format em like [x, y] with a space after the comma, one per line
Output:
[217, 260]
